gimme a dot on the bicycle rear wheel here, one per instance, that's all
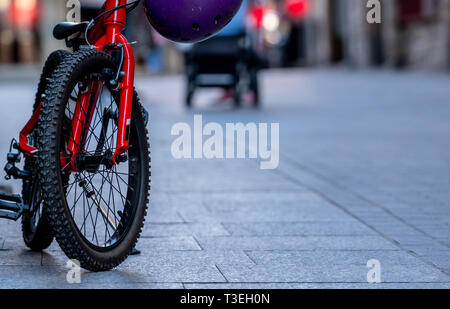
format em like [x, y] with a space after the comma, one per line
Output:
[36, 231]
[98, 214]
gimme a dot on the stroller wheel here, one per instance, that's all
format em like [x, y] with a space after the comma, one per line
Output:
[237, 98]
[190, 89]
[189, 97]
[254, 87]
[238, 92]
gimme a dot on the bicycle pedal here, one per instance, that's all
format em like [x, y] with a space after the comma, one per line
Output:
[11, 206]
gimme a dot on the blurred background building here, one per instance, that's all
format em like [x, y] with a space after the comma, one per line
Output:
[413, 33]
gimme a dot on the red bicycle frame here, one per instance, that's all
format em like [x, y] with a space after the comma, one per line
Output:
[107, 31]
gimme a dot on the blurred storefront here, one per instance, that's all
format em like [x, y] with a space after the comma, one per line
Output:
[19, 20]
[413, 33]
[26, 27]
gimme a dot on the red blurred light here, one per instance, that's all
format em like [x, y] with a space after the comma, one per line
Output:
[24, 16]
[257, 16]
[297, 9]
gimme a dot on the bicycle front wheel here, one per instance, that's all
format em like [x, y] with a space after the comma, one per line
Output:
[96, 208]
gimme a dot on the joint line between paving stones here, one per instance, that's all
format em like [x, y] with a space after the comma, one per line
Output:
[249, 257]
[220, 271]
[181, 217]
[198, 243]
[357, 195]
[336, 204]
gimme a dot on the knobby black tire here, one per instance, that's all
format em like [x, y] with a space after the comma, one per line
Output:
[68, 236]
[40, 238]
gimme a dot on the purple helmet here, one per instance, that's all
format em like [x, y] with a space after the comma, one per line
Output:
[190, 21]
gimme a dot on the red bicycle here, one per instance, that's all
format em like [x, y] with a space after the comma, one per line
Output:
[86, 178]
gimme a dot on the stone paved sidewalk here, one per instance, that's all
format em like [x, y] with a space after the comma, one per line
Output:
[363, 175]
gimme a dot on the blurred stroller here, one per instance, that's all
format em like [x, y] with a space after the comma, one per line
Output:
[226, 61]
